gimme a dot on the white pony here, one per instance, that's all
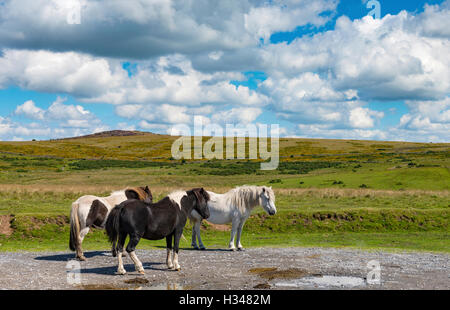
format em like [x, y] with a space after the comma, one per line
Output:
[91, 211]
[233, 207]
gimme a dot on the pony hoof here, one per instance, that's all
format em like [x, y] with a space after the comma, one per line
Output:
[232, 249]
[121, 272]
[81, 258]
[203, 248]
[240, 249]
[141, 272]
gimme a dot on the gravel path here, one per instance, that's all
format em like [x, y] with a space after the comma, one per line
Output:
[269, 268]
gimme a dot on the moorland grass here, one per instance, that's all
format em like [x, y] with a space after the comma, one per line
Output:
[362, 194]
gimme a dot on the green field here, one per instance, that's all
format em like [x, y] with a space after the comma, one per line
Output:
[363, 194]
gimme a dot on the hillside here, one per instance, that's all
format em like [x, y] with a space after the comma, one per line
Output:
[111, 133]
[135, 145]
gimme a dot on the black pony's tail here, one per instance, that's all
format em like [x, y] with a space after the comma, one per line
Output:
[112, 224]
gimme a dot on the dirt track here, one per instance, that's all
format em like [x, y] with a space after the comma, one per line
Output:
[271, 268]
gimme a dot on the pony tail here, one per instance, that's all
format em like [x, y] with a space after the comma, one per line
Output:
[74, 240]
[112, 224]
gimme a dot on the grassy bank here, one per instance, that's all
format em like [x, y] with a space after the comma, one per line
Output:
[360, 218]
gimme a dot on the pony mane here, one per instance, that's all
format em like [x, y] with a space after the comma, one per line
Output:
[120, 192]
[245, 197]
[141, 192]
[176, 196]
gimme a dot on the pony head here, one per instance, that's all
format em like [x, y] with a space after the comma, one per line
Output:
[201, 204]
[140, 193]
[267, 197]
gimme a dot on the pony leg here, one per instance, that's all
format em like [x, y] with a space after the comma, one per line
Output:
[120, 243]
[234, 228]
[137, 263]
[134, 240]
[114, 251]
[197, 232]
[120, 269]
[194, 237]
[169, 261]
[79, 250]
[176, 243]
[239, 232]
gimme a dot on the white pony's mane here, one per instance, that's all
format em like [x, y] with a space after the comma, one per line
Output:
[176, 196]
[120, 192]
[248, 196]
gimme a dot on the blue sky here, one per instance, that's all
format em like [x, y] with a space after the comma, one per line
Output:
[319, 69]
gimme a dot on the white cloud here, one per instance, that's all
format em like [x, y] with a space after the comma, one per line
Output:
[72, 73]
[392, 58]
[30, 110]
[59, 120]
[363, 117]
[236, 116]
[144, 29]
[286, 16]
[60, 111]
[426, 120]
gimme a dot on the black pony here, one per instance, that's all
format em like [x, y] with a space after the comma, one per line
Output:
[154, 221]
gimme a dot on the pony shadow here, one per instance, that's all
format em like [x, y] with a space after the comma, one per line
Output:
[192, 249]
[111, 270]
[70, 256]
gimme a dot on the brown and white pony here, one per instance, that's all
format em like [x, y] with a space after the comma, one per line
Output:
[92, 211]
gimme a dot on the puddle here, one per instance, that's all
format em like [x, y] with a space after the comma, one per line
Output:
[262, 286]
[138, 284]
[102, 287]
[136, 281]
[324, 282]
[168, 287]
[270, 273]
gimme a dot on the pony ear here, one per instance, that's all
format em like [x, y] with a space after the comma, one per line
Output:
[205, 194]
[197, 195]
[264, 189]
[148, 191]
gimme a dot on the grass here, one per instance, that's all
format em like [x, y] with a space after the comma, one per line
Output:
[341, 193]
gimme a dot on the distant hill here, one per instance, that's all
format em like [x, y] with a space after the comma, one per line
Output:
[139, 145]
[111, 133]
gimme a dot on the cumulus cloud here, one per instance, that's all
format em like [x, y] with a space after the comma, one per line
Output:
[427, 120]
[92, 79]
[393, 58]
[237, 116]
[80, 75]
[363, 117]
[66, 113]
[30, 110]
[139, 29]
[57, 121]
